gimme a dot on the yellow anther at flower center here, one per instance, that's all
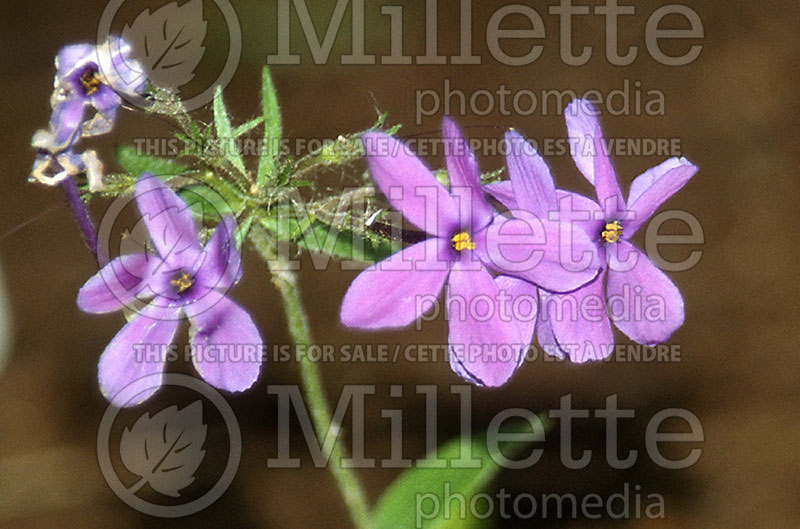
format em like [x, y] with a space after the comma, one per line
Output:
[461, 242]
[182, 282]
[90, 81]
[612, 232]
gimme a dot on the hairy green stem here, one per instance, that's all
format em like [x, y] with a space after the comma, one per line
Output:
[285, 280]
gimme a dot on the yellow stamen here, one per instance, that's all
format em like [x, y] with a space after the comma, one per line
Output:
[612, 232]
[90, 81]
[461, 242]
[182, 283]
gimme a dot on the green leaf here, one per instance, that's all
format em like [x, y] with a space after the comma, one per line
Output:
[273, 132]
[244, 229]
[205, 203]
[345, 150]
[136, 164]
[344, 244]
[411, 499]
[222, 123]
[316, 236]
[247, 126]
[299, 183]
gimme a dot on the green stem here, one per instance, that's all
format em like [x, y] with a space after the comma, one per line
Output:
[285, 280]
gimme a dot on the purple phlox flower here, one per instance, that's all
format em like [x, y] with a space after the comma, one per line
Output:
[487, 340]
[181, 279]
[632, 291]
[89, 77]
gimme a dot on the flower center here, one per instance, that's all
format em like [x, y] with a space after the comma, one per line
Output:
[90, 81]
[612, 232]
[461, 242]
[182, 282]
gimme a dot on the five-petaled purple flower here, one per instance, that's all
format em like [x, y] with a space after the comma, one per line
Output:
[566, 325]
[183, 279]
[466, 240]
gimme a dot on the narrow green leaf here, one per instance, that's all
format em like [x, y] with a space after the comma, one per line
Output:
[345, 244]
[205, 203]
[225, 134]
[283, 227]
[299, 183]
[273, 132]
[247, 126]
[136, 164]
[316, 236]
[344, 150]
[418, 496]
[244, 229]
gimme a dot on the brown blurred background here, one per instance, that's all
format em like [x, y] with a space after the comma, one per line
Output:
[734, 111]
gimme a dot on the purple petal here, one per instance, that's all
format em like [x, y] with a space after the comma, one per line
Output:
[531, 180]
[503, 192]
[465, 179]
[583, 128]
[71, 56]
[409, 186]
[137, 351]
[106, 101]
[226, 346]
[590, 154]
[523, 299]
[118, 284]
[169, 222]
[643, 302]
[609, 194]
[65, 123]
[653, 187]
[547, 340]
[124, 74]
[398, 290]
[582, 212]
[220, 264]
[579, 322]
[485, 347]
[554, 256]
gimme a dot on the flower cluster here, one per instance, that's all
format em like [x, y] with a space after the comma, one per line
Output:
[554, 244]
[88, 90]
[545, 250]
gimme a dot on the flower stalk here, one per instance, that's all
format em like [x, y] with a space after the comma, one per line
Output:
[83, 219]
[285, 281]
